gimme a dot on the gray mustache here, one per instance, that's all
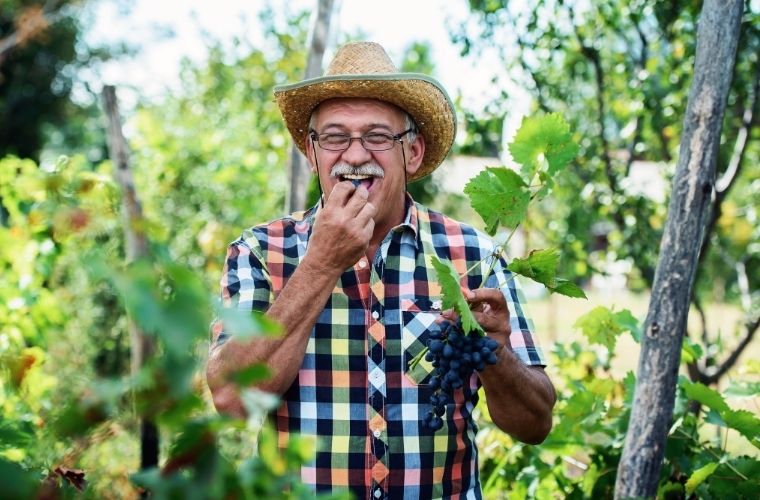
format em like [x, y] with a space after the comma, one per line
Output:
[369, 168]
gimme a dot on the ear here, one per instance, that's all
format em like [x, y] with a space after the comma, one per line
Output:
[416, 153]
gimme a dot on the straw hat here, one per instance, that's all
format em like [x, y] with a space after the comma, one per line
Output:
[363, 69]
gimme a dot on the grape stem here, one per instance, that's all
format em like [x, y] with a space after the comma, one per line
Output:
[494, 256]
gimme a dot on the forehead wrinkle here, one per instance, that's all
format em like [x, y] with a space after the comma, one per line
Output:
[363, 128]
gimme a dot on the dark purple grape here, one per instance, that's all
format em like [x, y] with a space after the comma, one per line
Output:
[454, 356]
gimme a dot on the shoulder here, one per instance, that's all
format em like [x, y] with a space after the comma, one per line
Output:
[446, 231]
[277, 233]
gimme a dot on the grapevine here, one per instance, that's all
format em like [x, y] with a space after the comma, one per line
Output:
[542, 147]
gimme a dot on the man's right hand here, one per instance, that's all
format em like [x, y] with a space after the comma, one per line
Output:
[343, 228]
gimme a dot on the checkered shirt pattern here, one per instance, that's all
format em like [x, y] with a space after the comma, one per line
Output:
[355, 393]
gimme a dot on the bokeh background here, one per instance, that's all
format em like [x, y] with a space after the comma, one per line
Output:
[208, 157]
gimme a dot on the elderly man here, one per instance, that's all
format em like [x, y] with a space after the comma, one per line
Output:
[350, 282]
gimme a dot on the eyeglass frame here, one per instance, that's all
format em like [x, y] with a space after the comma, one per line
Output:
[314, 136]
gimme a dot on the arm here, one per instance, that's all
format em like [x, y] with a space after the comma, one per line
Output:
[339, 238]
[520, 398]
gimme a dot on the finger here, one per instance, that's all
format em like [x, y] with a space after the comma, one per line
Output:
[366, 213]
[447, 315]
[490, 296]
[340, 194]
[357, 201]
[491, 322]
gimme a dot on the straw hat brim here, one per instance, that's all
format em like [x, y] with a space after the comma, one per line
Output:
[419, 95]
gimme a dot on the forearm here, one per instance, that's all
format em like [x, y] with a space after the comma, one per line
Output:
[520, 398]
[296, 309]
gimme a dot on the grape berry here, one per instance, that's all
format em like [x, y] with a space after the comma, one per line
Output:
[454, 356]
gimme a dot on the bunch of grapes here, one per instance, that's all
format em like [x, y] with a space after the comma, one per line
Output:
[454, 355]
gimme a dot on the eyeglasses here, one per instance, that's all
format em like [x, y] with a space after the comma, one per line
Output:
[375, 141]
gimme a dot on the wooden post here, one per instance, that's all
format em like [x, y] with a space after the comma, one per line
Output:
[299, 171]
[693, 189]
[142, 346]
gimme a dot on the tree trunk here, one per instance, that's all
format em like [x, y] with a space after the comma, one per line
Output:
[652, 412]
[136, 247]
[299, 171]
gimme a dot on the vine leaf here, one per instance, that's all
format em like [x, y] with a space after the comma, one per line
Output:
[499, 196]
[568, 288]
[540, 266]
[452, 295]
[602, 326]
[547, 137]
[743, 421]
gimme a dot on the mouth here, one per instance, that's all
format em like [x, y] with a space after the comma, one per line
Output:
[365, 180]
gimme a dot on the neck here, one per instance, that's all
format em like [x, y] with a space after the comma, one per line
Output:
[382, 228]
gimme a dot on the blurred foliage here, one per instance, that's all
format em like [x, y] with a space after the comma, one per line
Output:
[621, 73]
[579, 458]
[38, 72]
[208, 162]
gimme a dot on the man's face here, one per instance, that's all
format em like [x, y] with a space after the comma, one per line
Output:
[385, 181]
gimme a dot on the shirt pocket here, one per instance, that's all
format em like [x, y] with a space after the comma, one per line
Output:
[418, 320]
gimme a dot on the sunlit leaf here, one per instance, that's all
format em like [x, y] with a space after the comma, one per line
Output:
[600, 326]
[699, 476]
[546, 136]
[540, 266]
[568, 289]
[499, 196]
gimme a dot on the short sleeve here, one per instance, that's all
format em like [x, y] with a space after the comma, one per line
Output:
[522, 340]
[245, 285]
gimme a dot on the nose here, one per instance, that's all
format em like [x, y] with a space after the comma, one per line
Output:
[356, 154]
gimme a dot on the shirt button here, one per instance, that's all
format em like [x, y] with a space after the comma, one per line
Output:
[377, 433]
[362, 264]
[375, 314]
[378, 493]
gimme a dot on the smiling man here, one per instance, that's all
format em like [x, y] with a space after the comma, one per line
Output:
[350, 282]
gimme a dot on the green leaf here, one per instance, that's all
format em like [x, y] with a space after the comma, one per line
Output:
[247, 324]
[725, 483]
[600, 327]
[546, 136]
[452, 295]
[628, 322]
[742, 388]
[499, 196]
[690, 352]
[706, 396]
[16, 481]
[540, 266]
[745, 422]
[568, 289]
[252, 374]
[698, 477]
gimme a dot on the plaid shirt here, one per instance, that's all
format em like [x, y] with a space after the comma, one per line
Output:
[355, 393]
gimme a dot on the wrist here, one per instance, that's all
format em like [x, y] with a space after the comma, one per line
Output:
[318, 267]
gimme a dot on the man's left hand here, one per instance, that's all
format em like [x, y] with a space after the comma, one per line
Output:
[490, 310]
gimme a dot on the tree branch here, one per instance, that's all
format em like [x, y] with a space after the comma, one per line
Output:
[641, 64]
[751, 327]
[593, 56]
